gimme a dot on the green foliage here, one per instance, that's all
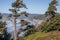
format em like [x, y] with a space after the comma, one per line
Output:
[24, 22]
[54, 24]
[25, 13]
[19, 4]
[51, 9]
[7, 35]
[4, 32]
[16, 8]
[29, 31]
[52, 5]
[0, 16]
[2, 25]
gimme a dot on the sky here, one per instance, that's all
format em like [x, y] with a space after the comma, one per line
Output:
[34, 6]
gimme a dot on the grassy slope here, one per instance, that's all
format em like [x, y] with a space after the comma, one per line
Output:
[34, 36]
[53, 35]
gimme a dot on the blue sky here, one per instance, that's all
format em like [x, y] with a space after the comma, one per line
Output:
[34, 6]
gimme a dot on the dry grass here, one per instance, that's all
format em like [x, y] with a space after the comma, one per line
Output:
[54, 35]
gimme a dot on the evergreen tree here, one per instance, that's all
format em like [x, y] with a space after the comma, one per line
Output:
[2, 24]
[15, 8]
[4, 35]
[50, 13]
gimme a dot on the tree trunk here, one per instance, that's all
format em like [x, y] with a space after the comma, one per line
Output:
[15, 31]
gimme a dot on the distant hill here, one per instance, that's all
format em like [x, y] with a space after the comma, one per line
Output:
[30, 16]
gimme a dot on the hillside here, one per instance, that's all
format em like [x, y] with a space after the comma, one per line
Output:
[47, 31]
[53, 25]
[54, 35]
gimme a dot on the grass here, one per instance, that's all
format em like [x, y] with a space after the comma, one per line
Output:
[54, 35]
[34, 36]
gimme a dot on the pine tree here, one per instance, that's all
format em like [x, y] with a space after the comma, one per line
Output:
[15, 8]
[2, 24]
[50, 13]
[2, 27]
